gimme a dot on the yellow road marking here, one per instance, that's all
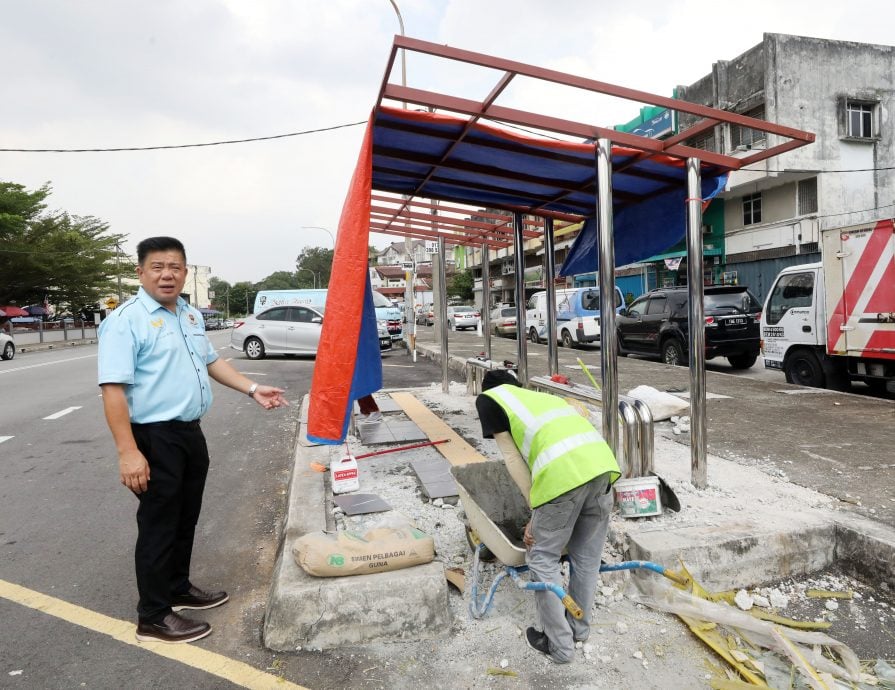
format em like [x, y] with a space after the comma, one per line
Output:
[216, 664]
[458, 451]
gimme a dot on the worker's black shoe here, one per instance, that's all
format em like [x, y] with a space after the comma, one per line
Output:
[538, 641]
[195, 598]
[173, 628]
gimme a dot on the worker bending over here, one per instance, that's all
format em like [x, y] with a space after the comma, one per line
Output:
[565, 469]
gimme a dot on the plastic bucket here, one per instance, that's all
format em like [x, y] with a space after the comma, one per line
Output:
[638, 497]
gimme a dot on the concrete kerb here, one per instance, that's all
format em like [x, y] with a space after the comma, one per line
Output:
[320, 613]
[40, 347]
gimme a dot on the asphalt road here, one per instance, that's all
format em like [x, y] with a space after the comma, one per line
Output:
[67, 526]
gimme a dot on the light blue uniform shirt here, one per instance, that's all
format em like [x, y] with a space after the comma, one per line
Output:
[162, 358]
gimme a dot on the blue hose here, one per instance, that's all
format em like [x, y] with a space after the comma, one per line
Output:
[479, 606]
[632, 565]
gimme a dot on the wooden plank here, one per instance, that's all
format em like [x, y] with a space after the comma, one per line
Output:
[458, 451]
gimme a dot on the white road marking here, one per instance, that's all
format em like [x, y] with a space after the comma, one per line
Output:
[399, 366]
[5, 438]
[46, 364]
[62, 413]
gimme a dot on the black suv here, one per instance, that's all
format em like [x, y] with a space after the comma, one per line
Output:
[656, 324]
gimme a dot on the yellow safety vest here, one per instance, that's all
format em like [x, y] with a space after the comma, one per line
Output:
[562, 448]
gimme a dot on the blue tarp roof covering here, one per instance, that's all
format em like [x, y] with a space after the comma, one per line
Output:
[448, 158]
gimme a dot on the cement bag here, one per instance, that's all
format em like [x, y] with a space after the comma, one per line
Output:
[662, 405]
[353, 553]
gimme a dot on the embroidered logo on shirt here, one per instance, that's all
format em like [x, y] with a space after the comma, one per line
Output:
[191, 317]
[157, 323]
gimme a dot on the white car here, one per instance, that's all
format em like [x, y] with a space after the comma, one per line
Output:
[7, 346]
[462, 317]
[281, 330]
[287, 330]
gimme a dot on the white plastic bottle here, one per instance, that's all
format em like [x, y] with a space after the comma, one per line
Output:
[344, 474]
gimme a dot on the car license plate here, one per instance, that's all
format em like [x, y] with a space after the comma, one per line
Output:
[736, 321]
[385, 341]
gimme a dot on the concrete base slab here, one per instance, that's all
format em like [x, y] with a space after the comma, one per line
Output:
[735, 554]
[320, 613]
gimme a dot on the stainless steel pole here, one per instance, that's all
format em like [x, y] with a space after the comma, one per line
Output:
[608, 363]
[550, 271]
[486, 297]
[519, 267]
[696, 315]
[442, 317]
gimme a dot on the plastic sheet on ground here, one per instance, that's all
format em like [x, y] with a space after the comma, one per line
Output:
[763, 653]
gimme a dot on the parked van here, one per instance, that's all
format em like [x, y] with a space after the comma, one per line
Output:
[387, 313]
[577, 315]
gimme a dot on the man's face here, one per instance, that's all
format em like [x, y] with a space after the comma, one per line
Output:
[163, 275]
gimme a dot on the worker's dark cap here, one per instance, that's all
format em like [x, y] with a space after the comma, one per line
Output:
[498, 377]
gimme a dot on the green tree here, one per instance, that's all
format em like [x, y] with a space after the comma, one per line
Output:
[461, 286]
[242, 297]
[282, 280]
[221, 290]
[52, 255]
[317, 260]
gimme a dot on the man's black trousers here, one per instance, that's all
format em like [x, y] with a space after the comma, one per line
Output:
[169, 509]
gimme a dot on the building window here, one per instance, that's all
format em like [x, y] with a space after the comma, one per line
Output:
[745, 137]
[807, 196]
[860, 117]
[704, 141]
[752, 209]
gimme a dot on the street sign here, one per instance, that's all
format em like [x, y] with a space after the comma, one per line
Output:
[431, 247]
[407, 265]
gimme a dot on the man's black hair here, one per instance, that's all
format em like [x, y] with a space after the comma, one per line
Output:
[498, 377]
[158, 244]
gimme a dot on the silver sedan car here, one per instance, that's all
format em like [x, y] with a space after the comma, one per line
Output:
[280, 330]
[7, 346]
[286, 330]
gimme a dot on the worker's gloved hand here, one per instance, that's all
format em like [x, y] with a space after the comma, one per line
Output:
[527, 538]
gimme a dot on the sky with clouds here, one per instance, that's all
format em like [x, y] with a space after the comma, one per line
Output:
[122, 73]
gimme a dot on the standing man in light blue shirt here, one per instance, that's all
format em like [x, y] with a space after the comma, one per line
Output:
[154, 366]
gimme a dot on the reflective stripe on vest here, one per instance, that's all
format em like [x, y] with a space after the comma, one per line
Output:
[533, 422]
[562, 449]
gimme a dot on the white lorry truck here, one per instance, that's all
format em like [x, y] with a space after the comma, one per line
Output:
[829, 323]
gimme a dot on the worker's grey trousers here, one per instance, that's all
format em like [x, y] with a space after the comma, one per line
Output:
[577, 521]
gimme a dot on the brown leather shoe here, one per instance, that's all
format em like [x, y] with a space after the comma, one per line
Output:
[173, 628]
[195, 598]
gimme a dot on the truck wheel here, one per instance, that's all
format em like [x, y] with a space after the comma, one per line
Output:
[533, 336]
[673, 353]
[254, 348]
[567, 339]
[878, 386]
[743, 361]
[803, 369]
